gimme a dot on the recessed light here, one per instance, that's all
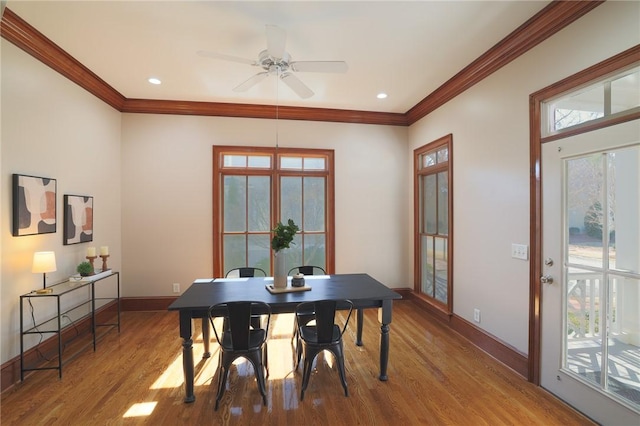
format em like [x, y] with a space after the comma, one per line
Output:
[381, 95]
[154, 80]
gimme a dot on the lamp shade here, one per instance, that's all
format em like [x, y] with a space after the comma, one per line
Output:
[44, 261]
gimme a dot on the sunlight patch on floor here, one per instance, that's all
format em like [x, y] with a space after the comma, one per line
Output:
[141, 409]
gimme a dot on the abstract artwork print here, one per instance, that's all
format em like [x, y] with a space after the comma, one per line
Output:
[34, 205]
[78, 219]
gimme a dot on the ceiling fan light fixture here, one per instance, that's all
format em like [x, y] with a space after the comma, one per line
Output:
[154, 80]
[381, 95]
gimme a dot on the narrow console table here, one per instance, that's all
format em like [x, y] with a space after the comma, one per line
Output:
[69, 303]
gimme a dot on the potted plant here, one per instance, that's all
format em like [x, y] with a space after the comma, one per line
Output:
[282, 239]
[85, 269]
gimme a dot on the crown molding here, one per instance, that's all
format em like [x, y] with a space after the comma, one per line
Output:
[551, 19]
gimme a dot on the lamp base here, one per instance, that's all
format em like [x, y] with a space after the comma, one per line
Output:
[44, 291]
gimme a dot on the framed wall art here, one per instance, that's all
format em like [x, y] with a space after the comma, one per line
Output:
[78, 219]
[34, 205]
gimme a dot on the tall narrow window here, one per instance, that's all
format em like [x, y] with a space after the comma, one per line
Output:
[254, 188]
[433, 227]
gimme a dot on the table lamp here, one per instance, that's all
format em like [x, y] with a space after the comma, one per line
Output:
[43, 262]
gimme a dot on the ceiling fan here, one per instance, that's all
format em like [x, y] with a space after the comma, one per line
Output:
[275, 60]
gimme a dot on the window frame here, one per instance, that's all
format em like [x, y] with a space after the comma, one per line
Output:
[275, 173]
[419, 172]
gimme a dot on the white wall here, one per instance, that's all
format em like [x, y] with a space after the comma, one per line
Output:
[490, 127]
[53, 128]
[167, 194]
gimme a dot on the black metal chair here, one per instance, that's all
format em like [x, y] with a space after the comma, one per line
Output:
[308, 270]
[245, 272]
[325, 334]
[241, 340]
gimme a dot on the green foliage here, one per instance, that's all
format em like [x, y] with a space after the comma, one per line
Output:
[283, 235]
[84, 269]
[593, 221]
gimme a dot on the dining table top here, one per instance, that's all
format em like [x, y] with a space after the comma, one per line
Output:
[363, 290]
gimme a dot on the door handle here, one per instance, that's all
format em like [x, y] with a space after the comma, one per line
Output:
[546, 279]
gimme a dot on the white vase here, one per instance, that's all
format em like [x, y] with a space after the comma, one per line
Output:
[279, 270]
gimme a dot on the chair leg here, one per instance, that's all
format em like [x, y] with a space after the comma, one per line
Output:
[256, 359]
[222, 382]
[339, 356]
[309, 357]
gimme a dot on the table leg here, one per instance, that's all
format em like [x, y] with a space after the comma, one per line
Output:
[187, 355]
[384, 316]
[360, 322]
[205, 337]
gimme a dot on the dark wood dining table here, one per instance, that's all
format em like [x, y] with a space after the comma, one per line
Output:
[363, 290]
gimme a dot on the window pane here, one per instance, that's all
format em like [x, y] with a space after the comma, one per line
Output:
[235, 204]
[291, 163]
[624, 209]
[583, 321]
[315, 250]
[259, 247]
[260, 161]
[443, 155]
[314, 163]
[235, 161]
[259, 200]
[429, 159]
[624, 363]
[294, 254]
[625, 92]
[584, 210]
[314, 204]
[291, 199]
[427, 266]
[440, 254]
[443, 205]
[579, 108]
[429, 204]
[234, 251]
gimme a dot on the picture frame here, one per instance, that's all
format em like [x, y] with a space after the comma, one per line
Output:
[34, 205]
[78, 219]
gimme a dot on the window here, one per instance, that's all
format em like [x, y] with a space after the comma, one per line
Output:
[609, 97]
[254, 188]
[433, 228]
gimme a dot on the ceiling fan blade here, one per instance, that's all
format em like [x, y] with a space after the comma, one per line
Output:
[319, 66]
[243, 87]
[276, 39]
[215, 55]
[296, 85]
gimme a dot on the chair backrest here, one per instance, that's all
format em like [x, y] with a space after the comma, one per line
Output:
[308, 270]
[325, 313]
[238, 319]
[246, 272]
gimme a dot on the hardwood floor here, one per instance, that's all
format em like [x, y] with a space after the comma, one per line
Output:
[135, 377]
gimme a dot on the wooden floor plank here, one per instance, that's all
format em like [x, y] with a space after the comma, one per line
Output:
[435, 377]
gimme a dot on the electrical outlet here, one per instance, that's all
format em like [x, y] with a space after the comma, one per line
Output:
[176, 287]
[520, 251]
[476, 315]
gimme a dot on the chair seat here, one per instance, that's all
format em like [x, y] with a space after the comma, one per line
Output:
[256, 337]
[310, 334]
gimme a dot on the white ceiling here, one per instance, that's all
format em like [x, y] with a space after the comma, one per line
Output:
[406, 49]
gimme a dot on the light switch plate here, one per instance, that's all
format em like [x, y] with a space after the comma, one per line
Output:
[520, 251]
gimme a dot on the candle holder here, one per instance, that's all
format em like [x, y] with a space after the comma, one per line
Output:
[104, 262]
[91, 259]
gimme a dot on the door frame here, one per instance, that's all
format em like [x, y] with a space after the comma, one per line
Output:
[628, 58]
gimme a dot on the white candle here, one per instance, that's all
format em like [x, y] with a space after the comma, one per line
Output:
[104, 251]
[91, 252]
